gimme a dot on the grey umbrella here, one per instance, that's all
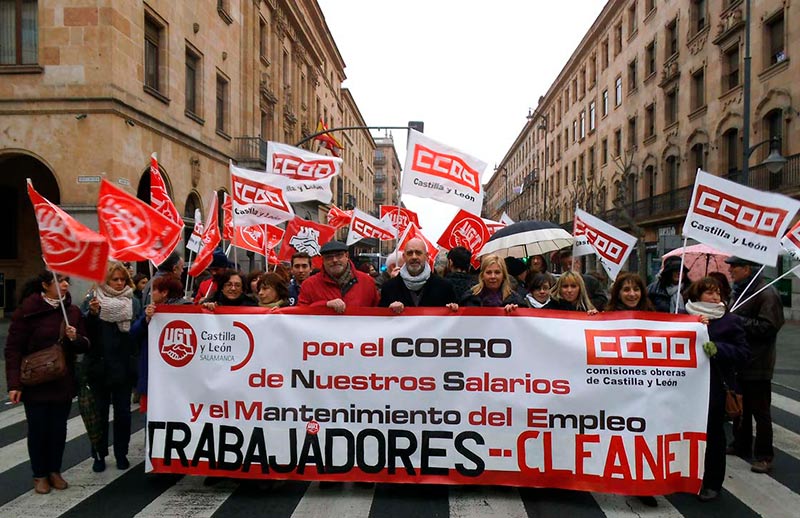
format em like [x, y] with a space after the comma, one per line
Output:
[527, 238]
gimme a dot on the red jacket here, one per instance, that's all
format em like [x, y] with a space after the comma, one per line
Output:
[320, 288]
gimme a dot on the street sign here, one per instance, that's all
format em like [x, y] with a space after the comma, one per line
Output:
[89, 179]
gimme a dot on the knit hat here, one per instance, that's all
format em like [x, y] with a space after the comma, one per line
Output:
[514, 266]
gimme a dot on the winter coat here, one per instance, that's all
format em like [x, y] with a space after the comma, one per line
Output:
[762, 318]
[112, 362]
[462, 282]
[36, 325]
[733, 352]
[321, 288]
[221, 300]
[435, 293]
[471, 300]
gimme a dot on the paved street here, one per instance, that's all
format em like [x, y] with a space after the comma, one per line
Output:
[133, 493]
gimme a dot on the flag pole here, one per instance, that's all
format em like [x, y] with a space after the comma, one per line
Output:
[765, 287]
[741, 295]
[680, 275]
[60, 298]
[189, 282]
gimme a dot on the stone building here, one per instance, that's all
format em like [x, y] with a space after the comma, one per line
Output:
[90, 91]
[387, 179]
[653, 92]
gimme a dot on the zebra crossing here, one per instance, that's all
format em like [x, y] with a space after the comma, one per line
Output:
[133, 493]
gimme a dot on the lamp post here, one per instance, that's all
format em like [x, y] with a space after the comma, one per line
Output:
[545, 124]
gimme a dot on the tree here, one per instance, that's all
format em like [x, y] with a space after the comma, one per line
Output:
[625, 169]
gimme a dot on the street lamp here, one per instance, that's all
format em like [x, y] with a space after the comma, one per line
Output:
[544, 124]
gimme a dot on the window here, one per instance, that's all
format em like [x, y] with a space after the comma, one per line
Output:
[732, 156]
[773, 124]
[222, 104]
[649, 121]
[558, 146]
[566, 138]
[774, 39]
[698, 89]
[671, 107]
[575, 89]
[591, 161]
[618, 142]
[632, 80]
[632, 132]
[566, 99]
[605, 103]
[632, 21]
[618, 91]
[266, 125]
[650, 59]
[649, 5]
[263, 39]
[583, 124]
[193, 83]
[592, 116]
[574, 131]
[618, 39]
[583, 82]
[672, 37]
[698, 15]
[730, 68]
[592, 70]
[153, 53]
[698, 157]
[604, 54]
[671, 178]
[604, 151]
[19, 32]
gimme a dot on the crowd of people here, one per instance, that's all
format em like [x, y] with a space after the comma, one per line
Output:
[109, 330]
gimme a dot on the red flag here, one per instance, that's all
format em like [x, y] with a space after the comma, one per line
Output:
[135, 231]
[493, 226]
[305, 236]
[68, 247]
[467, 230]
[211, 239]
[227, 218]
[159, 200]
[328, 141]
[413, 231]
[338, 218]
[400, 217]
[252, 238]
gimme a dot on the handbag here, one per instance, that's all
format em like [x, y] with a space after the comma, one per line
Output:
[733, 400]
[45, 365]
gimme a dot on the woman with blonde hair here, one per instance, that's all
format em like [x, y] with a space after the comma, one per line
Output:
[494, 287]
[569, 294]
[111, 362]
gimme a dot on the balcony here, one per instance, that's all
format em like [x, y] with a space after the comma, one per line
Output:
[379, 197]
[379, 177]
[379, 159]
[251, 152]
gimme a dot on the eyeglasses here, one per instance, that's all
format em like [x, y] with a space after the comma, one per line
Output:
[232, 285]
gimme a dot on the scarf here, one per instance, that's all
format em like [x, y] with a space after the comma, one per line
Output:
[53, 302]
[277, 304]
[535, 303]
[491, 298]
[344, 279]
[674, 298]
[706, 309]
[116, 306]
[415, 282]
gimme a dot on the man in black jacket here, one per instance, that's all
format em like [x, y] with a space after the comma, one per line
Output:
[416, 285]
[458, 275]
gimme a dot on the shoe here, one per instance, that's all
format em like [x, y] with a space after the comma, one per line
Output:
[707, 495]
[57, 481]
[761, 466]
[99, 465]
[41, 485]
[123, 463]
[649, 501]
[730, 450]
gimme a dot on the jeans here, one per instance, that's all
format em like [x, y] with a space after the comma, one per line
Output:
[47, 435]
[756, 401]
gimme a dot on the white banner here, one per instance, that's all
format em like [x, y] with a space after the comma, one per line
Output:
[474, 397]
[505, 219]
[611, 245]
[437, 171]
[303, 175]
[196, 239]
[362, 225]
[741, 221]
[791, 242]
[255, 202]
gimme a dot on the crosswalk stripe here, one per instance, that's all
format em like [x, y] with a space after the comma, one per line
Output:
[786, 440]
[189, 497]
[12, 416]
[618, 506]
[476, 502]
[83, 484]
[786, 404]
[339, 500]
[763, 494]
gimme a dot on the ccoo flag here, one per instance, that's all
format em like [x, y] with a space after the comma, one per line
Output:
[303, 175]
[362, 225]
[255, 202]
[611, 245]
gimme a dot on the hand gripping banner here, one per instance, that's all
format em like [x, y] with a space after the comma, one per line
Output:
[474, 397]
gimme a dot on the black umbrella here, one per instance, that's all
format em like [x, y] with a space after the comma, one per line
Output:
[527, 238]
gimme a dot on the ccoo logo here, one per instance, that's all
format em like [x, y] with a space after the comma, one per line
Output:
[177, 343]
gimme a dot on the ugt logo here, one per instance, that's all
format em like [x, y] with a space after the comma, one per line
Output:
[177, 343]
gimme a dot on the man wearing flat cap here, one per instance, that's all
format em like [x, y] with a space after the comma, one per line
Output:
[762, 318]
[339, 284]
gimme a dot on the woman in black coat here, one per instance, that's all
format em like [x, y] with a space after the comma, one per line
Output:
[231, 294]
[494, 287]
[37, 324]
[727, 350]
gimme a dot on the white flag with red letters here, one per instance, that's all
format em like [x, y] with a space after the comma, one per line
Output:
[612, 246]
[791, 242]
[362, 225]
[255, 201]
[303, 175]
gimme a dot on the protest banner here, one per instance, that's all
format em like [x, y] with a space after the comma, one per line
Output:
[400, 217]
[791, 242]
[210, 239]
[473, 397]
[338, 218]
[301, 174]
[160, 201]
[196, 238]
[256, 238]
[255, 202]
[594, 236]
[363, 225]
[467, 230]
[493, 226]
[305, 236]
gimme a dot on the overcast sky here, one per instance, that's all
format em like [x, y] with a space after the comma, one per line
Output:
[469, 69]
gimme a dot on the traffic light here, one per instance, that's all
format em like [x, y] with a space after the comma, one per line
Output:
[417, 126]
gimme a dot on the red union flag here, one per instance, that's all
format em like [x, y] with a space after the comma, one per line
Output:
[305, 236]
[400, 217]
[338, 218]
[160, 200]
[493, 226]
[255, 239]
[465, 230]
[210, 239]
[791, 242]
[738, 220]
[611, 245]
[135, 231]
[641, 347]
[255, 202]
[434, 170]
[301, 174]
[362, 225]
[227, 218]
[68, 247]
[413, 231]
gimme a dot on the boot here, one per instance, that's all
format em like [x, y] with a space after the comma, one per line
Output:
[41, 485]
[57, 481]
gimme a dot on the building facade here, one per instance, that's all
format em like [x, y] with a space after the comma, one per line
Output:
[89, 92]
[653, 92]
[387, 179]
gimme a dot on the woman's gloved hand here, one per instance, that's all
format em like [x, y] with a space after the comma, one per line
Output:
[710, 349]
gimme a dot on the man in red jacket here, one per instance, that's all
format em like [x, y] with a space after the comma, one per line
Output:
[339, 284]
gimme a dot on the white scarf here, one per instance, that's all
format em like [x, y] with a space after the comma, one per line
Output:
[415, 282]
[53, 302]
[535, 303]
[116, 306]
[710, 310]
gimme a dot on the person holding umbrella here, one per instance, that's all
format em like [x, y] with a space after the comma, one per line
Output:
[494, 287]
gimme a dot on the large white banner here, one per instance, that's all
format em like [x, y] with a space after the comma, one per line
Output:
[475, 397]
[738, 220]
[437, 171]
[255, 202]
[363, 225]
[594, 236]
[303, 175]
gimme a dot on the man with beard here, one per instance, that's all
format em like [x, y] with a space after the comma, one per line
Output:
[339, 284]
[416, 285]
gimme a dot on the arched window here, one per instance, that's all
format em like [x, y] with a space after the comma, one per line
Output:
[773, 128]
[731, 154]
[671, 181]
[631, 186]
[698, 157]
